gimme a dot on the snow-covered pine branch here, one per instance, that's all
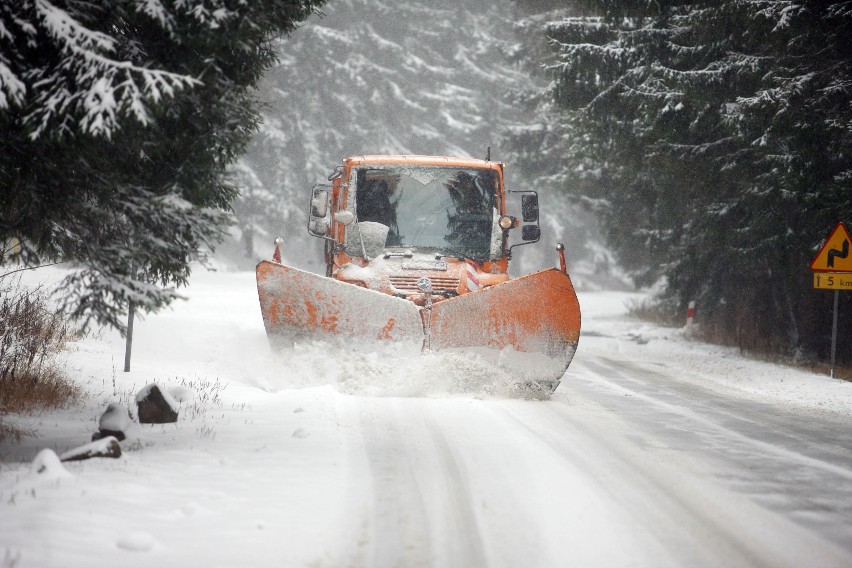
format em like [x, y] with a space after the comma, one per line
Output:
[89, 83]
[119, 122]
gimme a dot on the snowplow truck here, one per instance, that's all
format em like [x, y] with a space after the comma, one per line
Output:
[417, 249]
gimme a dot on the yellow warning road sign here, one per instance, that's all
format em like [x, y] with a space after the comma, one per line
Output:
[831, 281]
[834, 256]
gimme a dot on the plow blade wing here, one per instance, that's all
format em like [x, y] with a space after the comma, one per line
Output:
[533, 321]
[295, 304]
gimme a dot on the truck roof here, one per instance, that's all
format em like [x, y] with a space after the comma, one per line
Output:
[424, 161]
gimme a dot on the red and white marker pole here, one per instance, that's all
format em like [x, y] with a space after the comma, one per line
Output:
[690, 314]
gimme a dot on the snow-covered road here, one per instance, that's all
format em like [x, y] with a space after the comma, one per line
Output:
[655, 451]
[623, 469]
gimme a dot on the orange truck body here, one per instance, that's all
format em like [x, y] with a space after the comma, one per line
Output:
[432, 268]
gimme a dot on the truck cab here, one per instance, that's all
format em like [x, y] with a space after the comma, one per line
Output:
[398, 224]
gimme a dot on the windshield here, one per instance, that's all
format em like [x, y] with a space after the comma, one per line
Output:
[452, 210]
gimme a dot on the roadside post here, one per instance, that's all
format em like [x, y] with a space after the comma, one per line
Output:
[128, 342]
[832, 268]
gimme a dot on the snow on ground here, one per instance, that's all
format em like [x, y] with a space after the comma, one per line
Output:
[714, 367]
[655, 451]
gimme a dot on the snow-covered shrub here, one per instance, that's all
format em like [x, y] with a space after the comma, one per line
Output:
[31, 335]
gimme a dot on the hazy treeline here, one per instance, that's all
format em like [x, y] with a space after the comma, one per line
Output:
[710, 139]
[713, 141]
[701, 146]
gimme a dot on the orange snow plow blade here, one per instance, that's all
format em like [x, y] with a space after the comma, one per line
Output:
[531, 322]
[299, 304]
[529, 326]
[537, 313]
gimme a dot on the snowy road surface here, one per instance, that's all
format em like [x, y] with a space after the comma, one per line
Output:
[655, 451]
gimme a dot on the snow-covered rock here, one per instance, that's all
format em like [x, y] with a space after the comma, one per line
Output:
[47, 465]
[156, 406]
[115, 421]
[181, 393]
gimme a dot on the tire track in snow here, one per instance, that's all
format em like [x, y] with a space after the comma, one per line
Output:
[662, 525]
[672, 516]
[422, 515]
[796, 464]
[790, 466]
[815, 441]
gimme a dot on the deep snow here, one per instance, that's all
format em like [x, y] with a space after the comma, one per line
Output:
[655, 451]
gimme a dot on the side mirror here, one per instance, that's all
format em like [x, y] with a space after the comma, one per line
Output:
[319, 202]
[529, 208]
[530, 232]
[318, 227]
[530, 229]
[318, 220]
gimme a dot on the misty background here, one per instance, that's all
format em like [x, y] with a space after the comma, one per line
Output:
[420, 77]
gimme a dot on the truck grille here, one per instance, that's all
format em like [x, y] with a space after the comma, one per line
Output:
[409, 283]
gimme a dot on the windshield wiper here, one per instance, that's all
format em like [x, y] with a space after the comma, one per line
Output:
[404, 253]
[439, 253]
[451, 253]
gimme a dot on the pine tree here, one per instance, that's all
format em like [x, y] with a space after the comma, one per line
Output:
[536, 150]
[118, 122]
[714, 138]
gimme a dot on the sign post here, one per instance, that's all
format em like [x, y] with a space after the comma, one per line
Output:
[832, 268]
[834, 332]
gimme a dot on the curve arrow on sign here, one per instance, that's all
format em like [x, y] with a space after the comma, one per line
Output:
[842, 253]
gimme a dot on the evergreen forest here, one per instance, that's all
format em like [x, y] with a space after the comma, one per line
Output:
[699, 148]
